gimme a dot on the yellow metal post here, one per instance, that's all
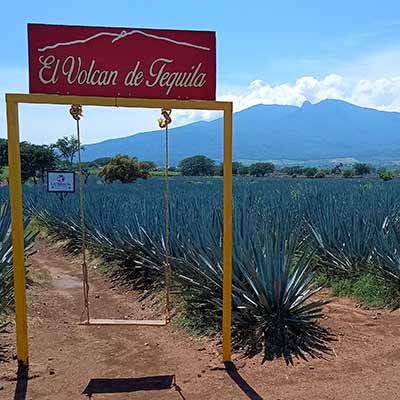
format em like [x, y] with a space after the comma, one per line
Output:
[17, 227]
[227, 258]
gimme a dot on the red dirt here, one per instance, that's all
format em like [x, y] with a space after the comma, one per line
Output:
[65, 357]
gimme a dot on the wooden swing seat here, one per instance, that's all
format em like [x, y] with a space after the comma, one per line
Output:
[125, 322]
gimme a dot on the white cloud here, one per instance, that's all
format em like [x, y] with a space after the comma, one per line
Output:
[44, 124]
[382, 94]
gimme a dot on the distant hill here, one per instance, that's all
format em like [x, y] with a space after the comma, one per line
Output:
[331, 129]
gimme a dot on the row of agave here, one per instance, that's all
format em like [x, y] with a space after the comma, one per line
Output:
[281, 230]
[6, 269]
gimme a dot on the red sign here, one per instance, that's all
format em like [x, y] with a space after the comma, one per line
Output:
[121, 62]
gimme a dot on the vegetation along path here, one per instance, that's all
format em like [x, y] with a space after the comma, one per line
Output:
[69, 361]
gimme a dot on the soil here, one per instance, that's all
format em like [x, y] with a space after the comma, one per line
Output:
[70, 361]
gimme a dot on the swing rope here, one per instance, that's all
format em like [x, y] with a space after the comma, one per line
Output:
[163, 123]
[76, 113]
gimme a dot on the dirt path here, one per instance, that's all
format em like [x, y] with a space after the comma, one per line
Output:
[68, 361]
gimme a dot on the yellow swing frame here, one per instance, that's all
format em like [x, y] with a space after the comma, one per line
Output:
[17, 226]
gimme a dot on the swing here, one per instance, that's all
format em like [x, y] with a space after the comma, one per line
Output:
[76, 113]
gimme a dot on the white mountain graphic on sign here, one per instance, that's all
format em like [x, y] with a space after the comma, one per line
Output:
[118, 36]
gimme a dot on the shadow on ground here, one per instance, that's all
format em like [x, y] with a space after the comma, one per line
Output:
[241, 382]
[128, 385]
[22, 383]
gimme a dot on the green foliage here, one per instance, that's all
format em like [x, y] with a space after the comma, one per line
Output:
[293, 170]
[219, 170]
[337, 169]
[161, 172]
[310, 172]
[197, 166]
[237, 168]
[348, 173]
[361, 169]
[369, 288]
[99, 162]
[385, 175]
[35, 160]
[124, 169]
[261, 169]
[148, 166]
[342, 288]
[68, 147]
[243, 170]
[320, 174]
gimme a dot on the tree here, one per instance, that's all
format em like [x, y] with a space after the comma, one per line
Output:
[262, 168]
[3, 153]
[68, 147]
[361, 169]
[124, 169]
[310, 172]
[197, 166]
[293, 170]
[320, 174]
[347, 173]
[35, 159]
[219, 170]
[385, 175]
[337, 169]
[148, 166]
[236, 167]
[44, 159]
[243, 170]
[99, 162]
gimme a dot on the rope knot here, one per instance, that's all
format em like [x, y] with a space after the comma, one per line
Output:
[76, 111]
[164, 122]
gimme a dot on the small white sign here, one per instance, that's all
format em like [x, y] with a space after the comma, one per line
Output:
[61, 181]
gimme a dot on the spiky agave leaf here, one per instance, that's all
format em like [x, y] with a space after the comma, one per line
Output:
[6, 268]
[387, 249]
[343, 227]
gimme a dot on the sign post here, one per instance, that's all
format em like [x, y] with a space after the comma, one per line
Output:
[61, 182]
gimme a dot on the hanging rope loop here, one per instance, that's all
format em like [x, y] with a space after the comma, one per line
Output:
[76, 112]
[163, 123]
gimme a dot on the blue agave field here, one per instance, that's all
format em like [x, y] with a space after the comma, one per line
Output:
[285, 232]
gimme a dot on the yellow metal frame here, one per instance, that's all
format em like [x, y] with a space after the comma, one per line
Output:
[12, 101]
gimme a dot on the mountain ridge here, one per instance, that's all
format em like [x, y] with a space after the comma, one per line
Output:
[330, 129]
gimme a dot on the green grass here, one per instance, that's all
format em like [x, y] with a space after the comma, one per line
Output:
[105, 268]
[195, 320]
[162, 173]
[3, 174]
[368, 288]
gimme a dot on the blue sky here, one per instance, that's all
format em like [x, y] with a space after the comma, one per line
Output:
[267, 51]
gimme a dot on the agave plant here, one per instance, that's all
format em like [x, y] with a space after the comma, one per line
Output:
[387, 249]
[272, 286]
[6, 269]
[345, 226]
